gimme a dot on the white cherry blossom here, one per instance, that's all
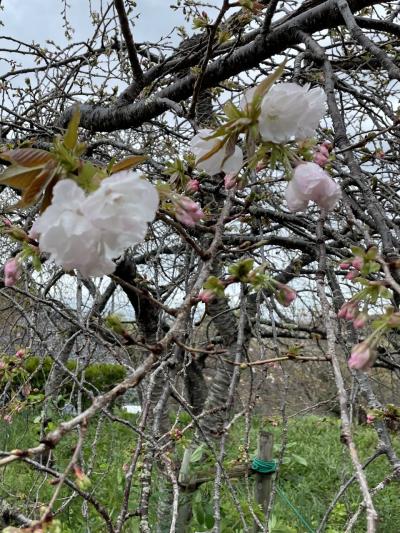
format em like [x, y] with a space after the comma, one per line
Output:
[85, 232]
[311, 183]
[121, 208]
[218, 162]
[290, 111]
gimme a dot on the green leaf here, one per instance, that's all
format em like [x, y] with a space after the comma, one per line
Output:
[371, 253]
[71, 135]
[209, 519]
[215, 284]
[89, 177]
[356, 250]
[198, 512]
[242, 269]
[266, 84]
[197, 454]
[299, 459]
[231, 111]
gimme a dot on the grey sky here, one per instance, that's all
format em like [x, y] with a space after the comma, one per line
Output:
[39, 20]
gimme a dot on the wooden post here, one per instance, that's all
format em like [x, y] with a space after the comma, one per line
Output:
[263, 482]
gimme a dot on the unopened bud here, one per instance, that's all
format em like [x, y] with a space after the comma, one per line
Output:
[192, 186]
[206, 296]
[360, 321]
[12, 272]
[362, 357]
[357, 263]
[352, 274]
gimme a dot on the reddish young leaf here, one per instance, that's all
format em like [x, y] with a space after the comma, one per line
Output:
[33, 192]
[27, 157]
[19, 177]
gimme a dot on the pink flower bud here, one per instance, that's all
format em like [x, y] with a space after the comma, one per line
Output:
[11, 272]
[370, 419]
[320, 159]
[352, 274]
[7, 222]
[348, 311]
[357, 263]
[285, 295]
[321, 155]
[187, 211]
[310, 182]
[20, 353]
[326, 147]
[206, 296]
[360, 321]
[7, 418]
[344, 266]
[361, 357]
[230, 181]
[192, 186]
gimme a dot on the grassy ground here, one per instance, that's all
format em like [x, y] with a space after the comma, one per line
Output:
[316, 463]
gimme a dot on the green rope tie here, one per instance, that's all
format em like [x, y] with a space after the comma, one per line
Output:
[263, 467]
[269, 467]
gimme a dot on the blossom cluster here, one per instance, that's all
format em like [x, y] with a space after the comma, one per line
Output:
[86, 232]
[286, 112]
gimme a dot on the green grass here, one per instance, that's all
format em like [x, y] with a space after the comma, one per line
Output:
[316, 463]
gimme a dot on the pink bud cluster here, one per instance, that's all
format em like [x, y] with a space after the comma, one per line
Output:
[12, 272]
[357, 263]
[350, 311]
[321, 155]
[187, 211]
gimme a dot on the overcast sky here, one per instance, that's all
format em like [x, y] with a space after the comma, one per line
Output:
[41, 19]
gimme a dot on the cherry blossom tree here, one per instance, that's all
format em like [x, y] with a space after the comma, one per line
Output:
[233, 189]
